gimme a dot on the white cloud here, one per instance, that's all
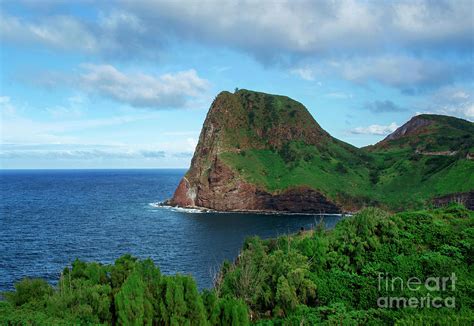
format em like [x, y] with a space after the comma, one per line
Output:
[410, 74]
[462, 110]
[17, 128]
[338, 95]
[312, 27]
[401, 71]
[267, 31]
[450, 100]
[428, 21]
[181, 89]
[461, 95]
[264, 30]
[468, 111]
[305, 73]
[60, 32]
[375, 129]
[91, 152]
[142, 90]
[27, 141]
[392, 43]
[116, 19]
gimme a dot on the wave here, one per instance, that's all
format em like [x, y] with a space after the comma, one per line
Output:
[207, 210]
[178, 209]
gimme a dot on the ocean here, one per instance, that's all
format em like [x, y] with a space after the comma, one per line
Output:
[48, 218]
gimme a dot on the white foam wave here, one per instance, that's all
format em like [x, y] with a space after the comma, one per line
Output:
[155, 205]
[205, 210]
[177, 209]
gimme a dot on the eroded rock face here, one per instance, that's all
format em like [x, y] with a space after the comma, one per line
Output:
[415, 125]
[298, 200]
[224, 191]
[464, 198]
[184, 195]
[211, 183]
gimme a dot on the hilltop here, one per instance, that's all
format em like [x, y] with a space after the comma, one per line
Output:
[428, 157]
[263, 152]
[431, 133]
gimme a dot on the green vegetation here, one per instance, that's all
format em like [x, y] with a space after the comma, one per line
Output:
[298, 164]
[280, 146]
[130, 292]
[327, 277]
[444, 133]
[332, 277]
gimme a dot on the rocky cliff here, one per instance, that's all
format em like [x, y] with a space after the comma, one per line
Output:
[262, 152]
[249, 121]
[466, 199]
[417, 124]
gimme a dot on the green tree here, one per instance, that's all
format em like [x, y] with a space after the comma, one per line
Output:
[29, 290]
[130, 301]
[229, 311]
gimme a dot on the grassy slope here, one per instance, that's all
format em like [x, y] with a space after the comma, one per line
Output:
[409, 183]
[333, 167]
[444, 133]
[407, 179]
[392, 176]
[337, 173]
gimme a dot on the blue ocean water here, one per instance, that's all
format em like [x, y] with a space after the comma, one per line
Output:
[50, 217]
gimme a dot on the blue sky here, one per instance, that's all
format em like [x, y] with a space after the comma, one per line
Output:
[127, 84]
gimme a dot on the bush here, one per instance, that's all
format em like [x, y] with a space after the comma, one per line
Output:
[29, 290]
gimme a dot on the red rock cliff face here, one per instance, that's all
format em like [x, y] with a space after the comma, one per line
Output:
[210, 183]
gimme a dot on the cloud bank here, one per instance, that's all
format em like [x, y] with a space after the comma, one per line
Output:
[142, 90]
[265, 30]
[408, 45]
[138, 89]
[88, 154]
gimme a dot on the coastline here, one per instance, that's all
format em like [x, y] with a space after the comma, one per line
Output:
[199, 209]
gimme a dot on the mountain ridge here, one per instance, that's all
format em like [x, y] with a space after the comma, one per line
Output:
[424, 125]
[263, 152]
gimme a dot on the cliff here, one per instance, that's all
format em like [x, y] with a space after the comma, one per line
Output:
[262, 152]
[249, 121]
[466, 199]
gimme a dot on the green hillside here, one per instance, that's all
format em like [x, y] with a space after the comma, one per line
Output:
[274, 142]
[277, 145]
[431, 133]
[429, 160]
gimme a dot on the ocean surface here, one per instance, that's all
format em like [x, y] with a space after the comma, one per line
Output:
[48, 218]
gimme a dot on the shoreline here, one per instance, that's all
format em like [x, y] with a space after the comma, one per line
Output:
[199, 209]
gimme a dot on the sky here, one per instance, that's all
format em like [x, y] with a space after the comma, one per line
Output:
[127, 83]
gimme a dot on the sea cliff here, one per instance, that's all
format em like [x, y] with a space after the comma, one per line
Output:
[263, 152]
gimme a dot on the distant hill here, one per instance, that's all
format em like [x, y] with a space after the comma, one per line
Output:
[266, 152]
[431, 133]
[429, 156]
